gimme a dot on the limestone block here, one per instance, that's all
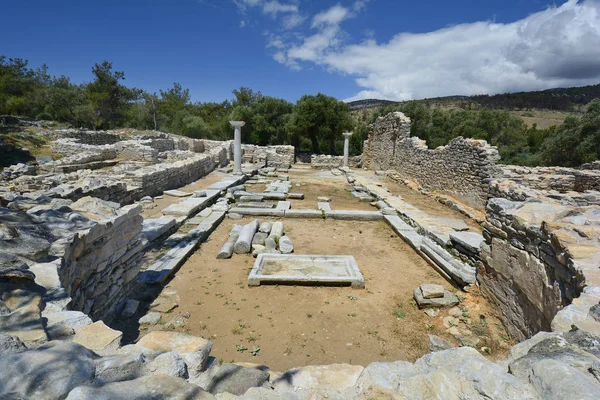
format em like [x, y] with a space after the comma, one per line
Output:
[99, 338]
[147, 387]
[448, 300]
[50, 371]
[323, 377]
[194, 350]
[431, 291]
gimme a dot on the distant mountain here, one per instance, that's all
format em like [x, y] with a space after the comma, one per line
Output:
[560, 99]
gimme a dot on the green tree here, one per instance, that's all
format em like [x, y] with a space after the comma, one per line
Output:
[109, 99]
[320, 118]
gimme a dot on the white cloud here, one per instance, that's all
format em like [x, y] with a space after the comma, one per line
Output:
[291, 15]
[559, 46]
[333, 16]
[275, 7]
[292, 21]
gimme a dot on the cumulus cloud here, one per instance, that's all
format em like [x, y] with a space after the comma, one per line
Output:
[290, 13]
[559, 46]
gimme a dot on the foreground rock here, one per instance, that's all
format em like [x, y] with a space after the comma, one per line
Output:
[145, 388]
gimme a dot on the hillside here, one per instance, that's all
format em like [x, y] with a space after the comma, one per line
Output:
[558, 99]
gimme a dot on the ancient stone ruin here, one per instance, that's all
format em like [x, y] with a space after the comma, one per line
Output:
[408, 273]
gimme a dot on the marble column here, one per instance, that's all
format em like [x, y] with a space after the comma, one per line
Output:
[237, 146]
[346, 146]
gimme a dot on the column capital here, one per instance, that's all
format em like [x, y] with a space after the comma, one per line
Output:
[347, 134]
[237, 124]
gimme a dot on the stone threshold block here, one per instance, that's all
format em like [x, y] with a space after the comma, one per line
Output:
[168, 264]
[305, 269]
[176, 193]
[324, 206]
[262, 212]
[284, 205]
[191, 206]
[355, 215]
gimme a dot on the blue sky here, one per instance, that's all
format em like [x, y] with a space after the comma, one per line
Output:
[286, 48]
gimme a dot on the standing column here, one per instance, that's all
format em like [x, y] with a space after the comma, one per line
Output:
[346, 146]
[237, 146]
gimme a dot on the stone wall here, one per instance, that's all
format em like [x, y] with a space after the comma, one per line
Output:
[100, 264]
[539, 256]
[271, 156]
[322, 161]
[462, 168]
[560, 179]
[154, 179]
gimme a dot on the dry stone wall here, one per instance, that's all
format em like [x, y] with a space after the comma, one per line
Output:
[462, 168]
[99, 265]
[271, 156]
[321, 161]
[540, 257]
[560, 179]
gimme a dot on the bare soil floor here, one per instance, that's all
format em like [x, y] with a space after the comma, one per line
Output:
[319, 183]
[290, 326]
[283, 326]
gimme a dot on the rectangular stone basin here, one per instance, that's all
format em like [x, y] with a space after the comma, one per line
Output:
[305, 269]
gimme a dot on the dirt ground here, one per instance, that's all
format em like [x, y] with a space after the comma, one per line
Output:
[286, 326]
[323, 183]
[428, 204]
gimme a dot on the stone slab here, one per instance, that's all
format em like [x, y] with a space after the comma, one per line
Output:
[168, 264]
[153, 228]
[263, 212]
[99, 338]
[190, 206]
[308, 269]
[468, 240]
[448, 300]
[304, 214]
[176, 193]
[283, 205]
[324, 205]
[356, 215]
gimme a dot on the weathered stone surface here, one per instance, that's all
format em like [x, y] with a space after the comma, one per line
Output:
[259, 238]
[65, 323]
[194, 350]
[431, 291]
[24, 322]
[144, 388]
[448, 300]
[99, 338]
[283, 205]
[462, 273]
[231, 378]
[556, 381]
[152, 318]
[438, 344]
[118, 367]
[334, 377]
[285, 245]
[277, 230]
[156, 227]
[178, 193]
[471, 241]
[227, 249]
[130, 308]
[385, 374]
[49, 372]
[324, 206]
[244, 242]
[170, 364]
[10, 344]
[265, 227]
